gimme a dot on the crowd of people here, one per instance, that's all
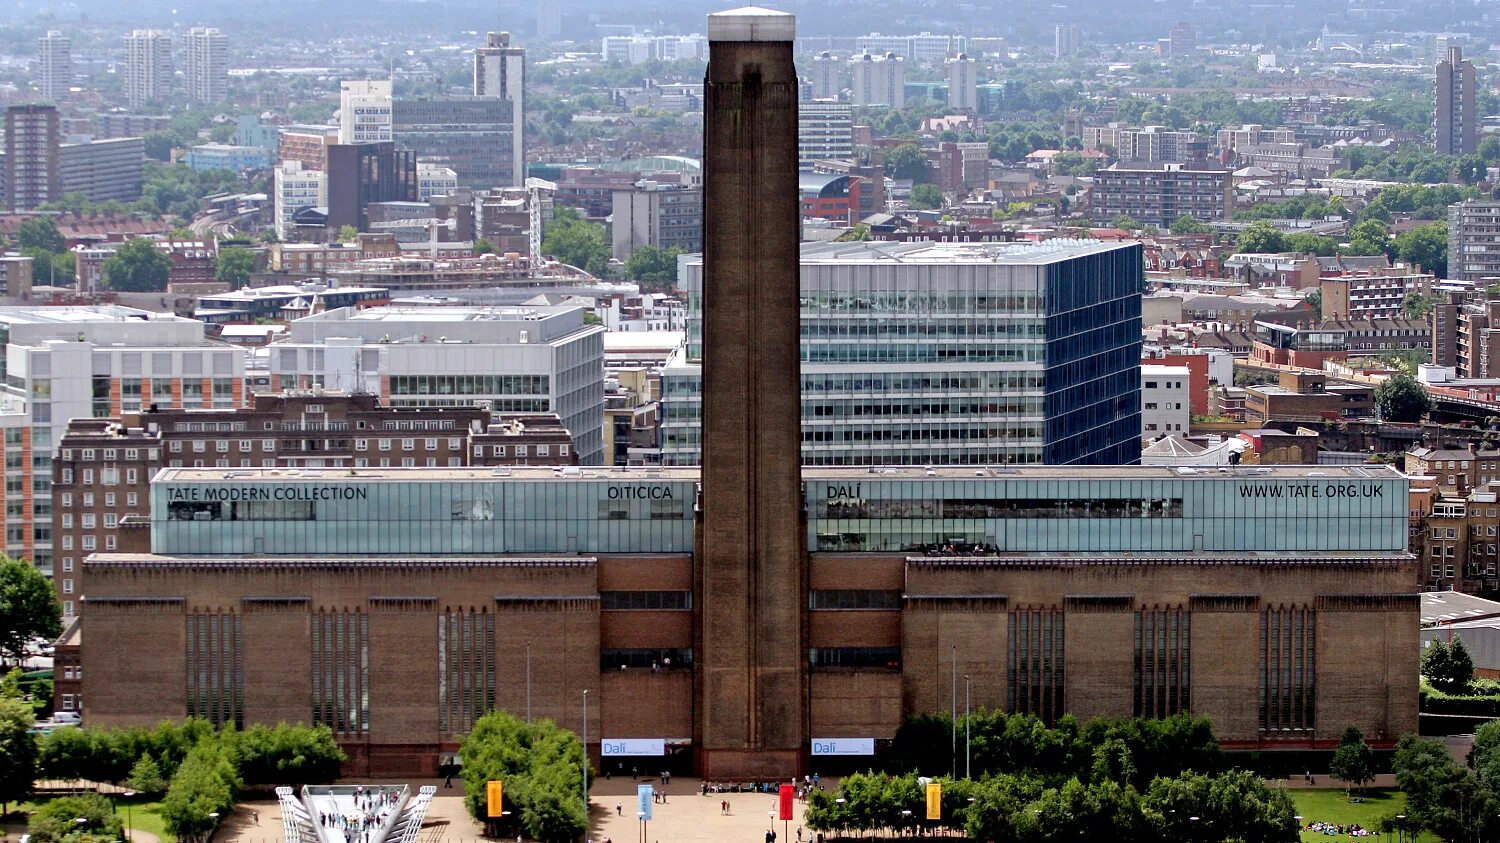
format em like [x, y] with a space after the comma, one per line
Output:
[1334, 830]
[372, 808]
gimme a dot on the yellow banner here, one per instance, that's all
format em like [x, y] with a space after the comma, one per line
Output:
[493, 790]
[935, 801]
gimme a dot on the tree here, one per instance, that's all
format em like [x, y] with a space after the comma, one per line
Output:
[1425, 246]
[1187, 224]
[483, 246]
[18, 753]
[1353, 760]
[859, 232]
[145, 777]
[1369, 237]
[925, 196]
[40, 233]
[138, 267]
[1449, 667]
[291, 755]
[234, 265]
[906, 162]
[1125, 223]
[1308, 243]
[1260, 238]
[57, 821]
[347, 234]
[29, 608]
[204, 784]
[577, 242]
[1402, 399]
[159, 145]
[1416, 305]
[539, 764]
[1314, 297]
[653, 266]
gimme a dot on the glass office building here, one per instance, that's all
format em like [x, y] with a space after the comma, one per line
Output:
[442, 512]
[950, 354]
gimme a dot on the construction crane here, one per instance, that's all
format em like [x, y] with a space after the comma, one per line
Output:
[430, 224]
[534, 188]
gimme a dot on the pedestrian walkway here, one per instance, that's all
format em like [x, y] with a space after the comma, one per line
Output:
[687, 816]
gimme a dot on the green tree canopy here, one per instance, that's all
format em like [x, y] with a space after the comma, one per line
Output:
[925, 196]
[906, 162]
[1260, 238]
[1369, 237]
[40, 233]
[57, 820]
[1402, 399]
[1314, 297]
[138, 267]
[1187, 224]
[1312, 244]
[28, 608]
[205, 783]
[483, 246]
[1353, 761]
[18, 752]
[1126, 222]
[1416, 305]
[1442, 797]
[578, 242]
[234, 265]
[541, 766]
[346, 234]
[145, 776]
[1425, 246]
[285, 755]
[652, 266]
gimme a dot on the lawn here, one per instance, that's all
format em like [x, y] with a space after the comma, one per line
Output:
[1331, 806]
[144, 815]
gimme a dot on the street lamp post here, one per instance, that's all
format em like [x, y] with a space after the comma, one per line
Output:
[1400, 827]
[968, 742]
[129, 795]
[953, 698]
[213, 823]
[585, 756]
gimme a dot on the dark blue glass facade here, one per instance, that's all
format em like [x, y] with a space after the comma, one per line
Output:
[1092, 396]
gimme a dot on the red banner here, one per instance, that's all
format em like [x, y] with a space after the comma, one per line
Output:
[786, 802]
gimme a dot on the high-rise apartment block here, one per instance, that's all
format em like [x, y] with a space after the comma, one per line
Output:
[825, 132]
[879, 79]
[827, 76]
[1456, 116]
[664, 216]
[148, 66]
[32, 172]
[963, 82]
[1474, 241]
[500, 72]
[549, 16]
[1183, 40]
[511, 360]
[54, 65]
[925, 48]
[473, 136]
[307, 145]
[106, 170]
[365, 111]
[1065, 40]
[294, 188]
[1157, 194]
[950, 354]
[207, 64]
[1144, 144]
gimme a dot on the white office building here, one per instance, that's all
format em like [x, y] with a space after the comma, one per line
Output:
[148, 66]
[295, 187]
[825, 132]
[511, 359]
[61, 363]
[365, 111]
[1166, 401]
[963, 83]
[879, 79]
[435, 180]
[54, 65]
[207, 64]
[500, 71]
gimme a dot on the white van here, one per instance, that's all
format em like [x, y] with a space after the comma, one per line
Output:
[68, 718]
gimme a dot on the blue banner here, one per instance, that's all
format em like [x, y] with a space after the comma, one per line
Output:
[643, 801]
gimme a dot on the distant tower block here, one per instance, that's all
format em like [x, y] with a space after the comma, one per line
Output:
[752, 697]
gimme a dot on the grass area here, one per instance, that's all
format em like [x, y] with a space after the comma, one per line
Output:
[1332, 806]
[144, 816]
